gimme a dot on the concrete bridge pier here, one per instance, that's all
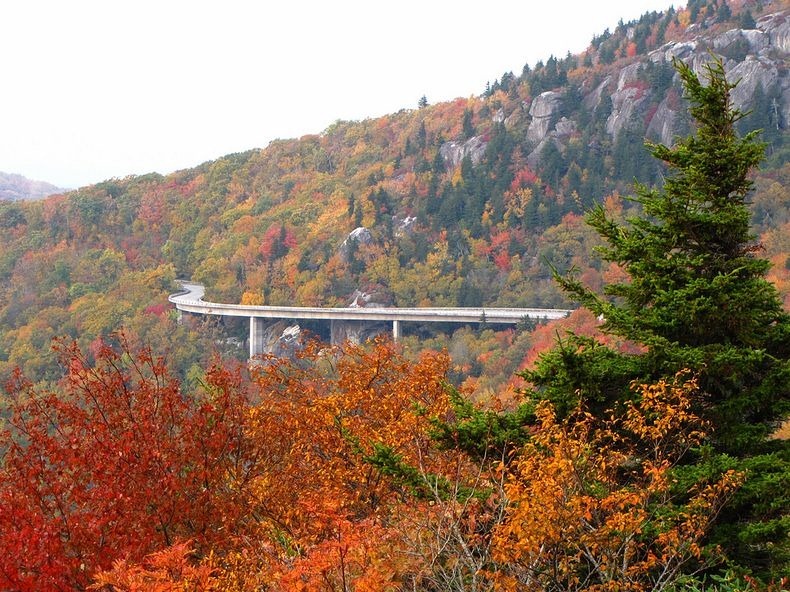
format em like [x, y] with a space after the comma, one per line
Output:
[353, 324]
[257, 330]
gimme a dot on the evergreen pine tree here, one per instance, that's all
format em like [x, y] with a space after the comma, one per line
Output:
[351, 205]
[468, 128]
[696, 298]
[746, 20]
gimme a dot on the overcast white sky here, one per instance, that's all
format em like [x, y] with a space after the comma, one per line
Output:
[106, 88]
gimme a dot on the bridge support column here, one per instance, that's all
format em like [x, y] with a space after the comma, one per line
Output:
[396, 332]
[257, 328]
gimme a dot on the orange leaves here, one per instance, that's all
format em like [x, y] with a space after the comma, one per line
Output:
[323, 515]
[327, 478]
[318, 416]
[350, 555]
[169, 570]
[663, 416]
[590, 511]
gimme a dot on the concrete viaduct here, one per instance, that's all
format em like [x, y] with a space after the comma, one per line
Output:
[190, 299]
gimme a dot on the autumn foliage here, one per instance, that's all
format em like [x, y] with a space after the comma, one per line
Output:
[592, 505]
[168, 570]
[114, 470]
[115, 464]
[322, 473]
[123, 471]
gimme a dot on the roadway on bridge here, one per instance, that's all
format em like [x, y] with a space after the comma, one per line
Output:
[190, 299]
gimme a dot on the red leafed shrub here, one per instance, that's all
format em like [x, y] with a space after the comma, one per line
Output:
[276, 242]
[117, 464]
[158, 309]
[522, 178]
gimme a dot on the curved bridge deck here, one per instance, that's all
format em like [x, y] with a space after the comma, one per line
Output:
[191, 300]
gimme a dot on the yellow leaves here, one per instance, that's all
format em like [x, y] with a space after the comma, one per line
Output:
[590, 510]
[250, 298]
[663, 415]
[516, 203]
[457, 179]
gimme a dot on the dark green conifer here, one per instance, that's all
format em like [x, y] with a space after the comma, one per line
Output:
[746, 20]
[468, 127]
[696, 298]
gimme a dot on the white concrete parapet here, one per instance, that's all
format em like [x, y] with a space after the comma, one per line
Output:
[190, 299]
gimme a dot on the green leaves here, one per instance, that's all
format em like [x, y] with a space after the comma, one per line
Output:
[696, 297]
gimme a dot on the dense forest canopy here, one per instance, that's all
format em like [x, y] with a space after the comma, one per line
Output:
[466, 203]
[147, 457]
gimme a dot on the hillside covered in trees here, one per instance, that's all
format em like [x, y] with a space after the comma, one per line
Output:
[654, 466]
[641, 451]
[464, 203]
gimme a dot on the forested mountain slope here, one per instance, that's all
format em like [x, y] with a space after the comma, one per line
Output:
[464, 203]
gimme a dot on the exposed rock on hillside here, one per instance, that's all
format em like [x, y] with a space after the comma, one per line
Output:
[777, 26]
[628, 101]
[756, 72]
[362, 299]
[543, 111]
[563, 129]
[454, 152]
[281, 339]
[359, 236]
[593, 99]
[357, 331]
[663, 124]
[403, 225]
[642, 103]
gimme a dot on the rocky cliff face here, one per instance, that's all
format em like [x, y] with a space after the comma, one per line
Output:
[544, 112]
[454, 152]
[643, 96]
[282, 339]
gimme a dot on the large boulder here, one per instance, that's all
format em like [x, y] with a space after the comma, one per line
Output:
[544, 110]
[360, 235]
[281, 339]
[360, 299]
[454, 152]
[629, 100]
